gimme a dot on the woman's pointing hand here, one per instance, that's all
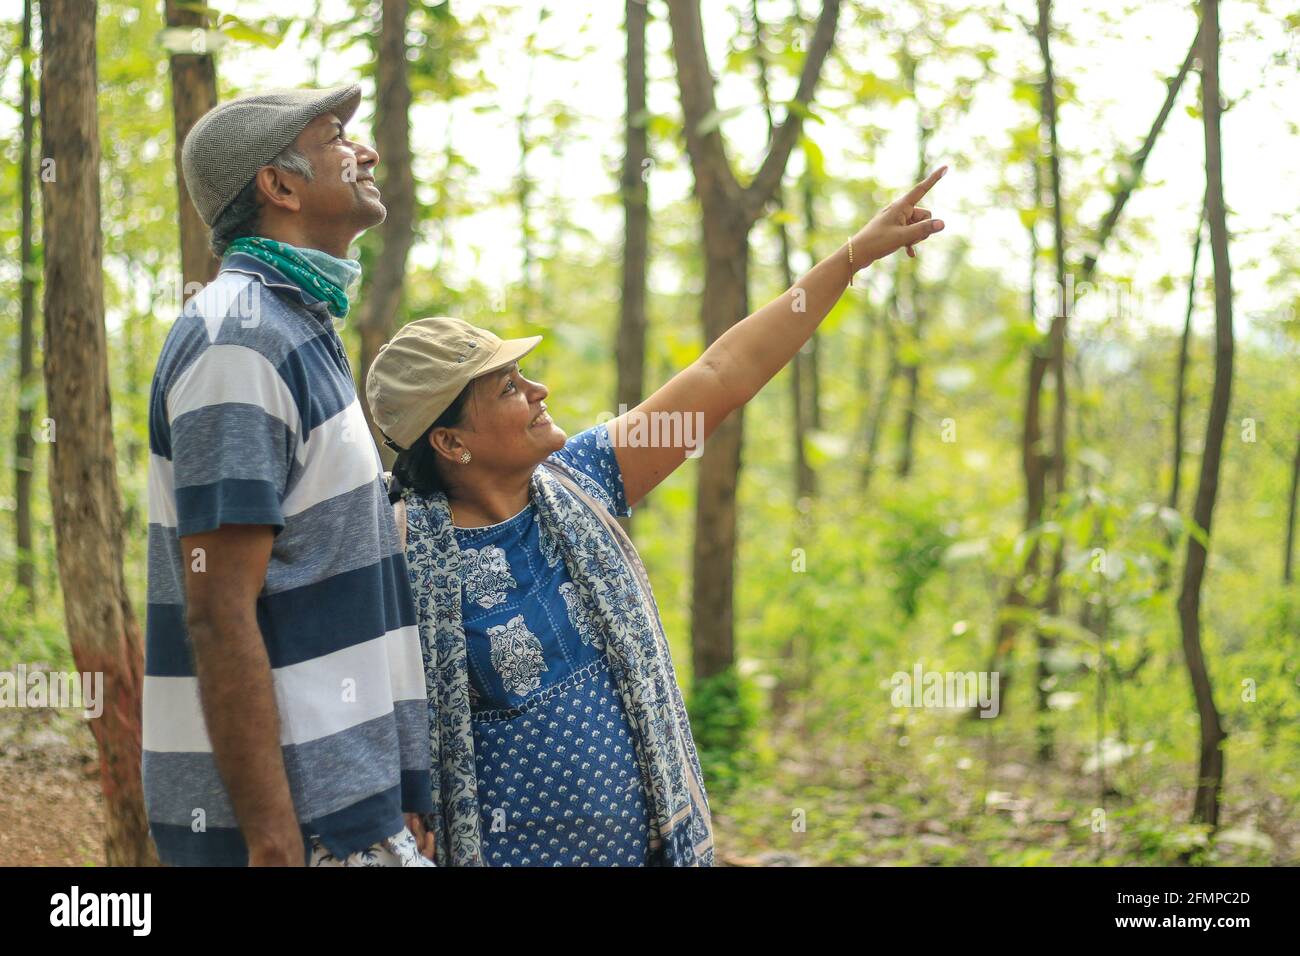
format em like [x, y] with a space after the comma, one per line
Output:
[900, 224]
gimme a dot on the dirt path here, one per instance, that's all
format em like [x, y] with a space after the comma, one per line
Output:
[50, 806]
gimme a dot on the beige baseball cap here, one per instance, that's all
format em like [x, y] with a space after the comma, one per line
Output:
[419, 372]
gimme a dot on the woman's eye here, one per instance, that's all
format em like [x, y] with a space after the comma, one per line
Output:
[509, 385]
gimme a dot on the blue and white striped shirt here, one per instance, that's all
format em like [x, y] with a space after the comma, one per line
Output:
[254, 419]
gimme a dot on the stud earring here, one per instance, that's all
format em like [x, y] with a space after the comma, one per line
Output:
[464, 458]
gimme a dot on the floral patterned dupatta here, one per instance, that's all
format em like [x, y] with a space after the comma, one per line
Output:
[615, 592]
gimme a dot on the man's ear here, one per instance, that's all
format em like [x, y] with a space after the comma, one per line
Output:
[279, 189]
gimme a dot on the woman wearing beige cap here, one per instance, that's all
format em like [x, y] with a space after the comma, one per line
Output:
[558, 733]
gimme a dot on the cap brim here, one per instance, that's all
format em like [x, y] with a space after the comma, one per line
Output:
[342, 102]
[509, 351]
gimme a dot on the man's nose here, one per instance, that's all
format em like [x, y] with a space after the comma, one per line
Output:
[367, 156]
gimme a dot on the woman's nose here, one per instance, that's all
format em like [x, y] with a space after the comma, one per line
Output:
[538, 389]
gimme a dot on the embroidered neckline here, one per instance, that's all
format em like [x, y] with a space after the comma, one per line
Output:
[490, 527]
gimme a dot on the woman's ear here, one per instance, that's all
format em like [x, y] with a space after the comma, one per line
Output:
[446, 443]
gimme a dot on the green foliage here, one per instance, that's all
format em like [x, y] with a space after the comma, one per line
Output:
[913, 546]
[724, 713]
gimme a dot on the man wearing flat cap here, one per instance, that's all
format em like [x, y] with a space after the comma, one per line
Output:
[285, 719]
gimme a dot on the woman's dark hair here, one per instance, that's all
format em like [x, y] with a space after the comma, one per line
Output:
[417, 467]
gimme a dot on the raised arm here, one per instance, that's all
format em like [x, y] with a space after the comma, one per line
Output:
[746, 357]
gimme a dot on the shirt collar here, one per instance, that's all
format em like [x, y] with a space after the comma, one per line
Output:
[273, 278]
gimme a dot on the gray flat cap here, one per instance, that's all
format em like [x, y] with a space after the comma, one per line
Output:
[232, 141]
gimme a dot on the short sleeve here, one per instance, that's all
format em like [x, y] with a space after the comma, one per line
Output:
[591, 456]
[233, 426]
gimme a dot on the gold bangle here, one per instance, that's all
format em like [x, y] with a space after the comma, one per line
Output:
[852, 270]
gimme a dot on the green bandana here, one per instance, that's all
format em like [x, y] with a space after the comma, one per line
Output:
[319, 273]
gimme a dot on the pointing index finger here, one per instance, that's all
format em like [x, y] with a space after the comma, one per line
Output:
[915, 194]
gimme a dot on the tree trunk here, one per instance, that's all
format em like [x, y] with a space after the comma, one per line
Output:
[864, 369]
[102, 628]
[1047, 643]
[811, 360]
[916, 298]
[1209, 778]
[384, 290]
[911, 374]
[630, 347]
[1180, 399]
[804, 478]
[194, 92]
[728, 212]
[1034, 465]
[524, 185]
[1180, 387]
[24, 443]
[725, 302]
[1288, 560]
[880, 407]
[807, 366]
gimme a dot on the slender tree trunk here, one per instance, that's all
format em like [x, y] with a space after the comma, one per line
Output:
[1180, 397]
[1288, 561]
[910, 371]
[1058, 335]
[813, 346]
[557, 143]
[1033, 463]
[1180, 386]
[387, 282]
[804, 478]
[807, 365]
[728, 212]
[194, 92]
[864, 369]
[102, 628]
[1209, 779]
[24, 444]
[880, 406]
[633, 184]
[132, 376]
[916, 298]
[524, 185]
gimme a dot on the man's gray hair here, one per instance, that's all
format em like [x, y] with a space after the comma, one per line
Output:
[243, 216]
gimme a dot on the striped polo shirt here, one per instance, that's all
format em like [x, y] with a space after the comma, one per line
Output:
[254, 419]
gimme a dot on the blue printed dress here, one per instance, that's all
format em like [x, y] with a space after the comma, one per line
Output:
[558, 779]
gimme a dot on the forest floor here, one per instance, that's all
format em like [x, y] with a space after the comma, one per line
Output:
[879, 804]
[851, 810]
[51, 813]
